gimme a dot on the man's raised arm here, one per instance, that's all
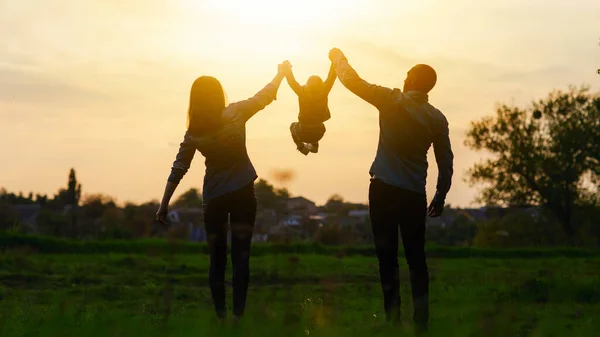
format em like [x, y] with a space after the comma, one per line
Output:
[372, 93]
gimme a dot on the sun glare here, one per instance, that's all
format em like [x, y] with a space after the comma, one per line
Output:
[265, 30]
[270, 11]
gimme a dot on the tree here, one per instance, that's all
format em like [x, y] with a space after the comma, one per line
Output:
[53, 223]
[41, 199]
[519, 229]
[69, 197]
[73, 189]
[111, 224]
[192, 198]
[140, 219]
[544, 155]
[335, 204]
[94, 205]
[270, 197]
[282, 193]
[15, 199]
[8, 216]
[265, 194]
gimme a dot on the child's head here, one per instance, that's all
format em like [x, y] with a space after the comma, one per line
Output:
[314, 85]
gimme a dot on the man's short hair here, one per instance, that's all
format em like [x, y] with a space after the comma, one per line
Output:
[423, 77]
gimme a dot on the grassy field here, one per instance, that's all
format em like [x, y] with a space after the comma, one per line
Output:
[291, 295]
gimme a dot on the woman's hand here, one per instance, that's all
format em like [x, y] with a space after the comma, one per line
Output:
[161, 214]
[283, 69]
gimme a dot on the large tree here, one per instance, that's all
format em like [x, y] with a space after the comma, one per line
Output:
[270, 197]
[73, 193]
[69, 197]
[547, 154]
[190, 199]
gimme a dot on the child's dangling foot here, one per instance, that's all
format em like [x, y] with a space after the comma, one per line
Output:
[300, 146]
[304, 149]
[313, 147]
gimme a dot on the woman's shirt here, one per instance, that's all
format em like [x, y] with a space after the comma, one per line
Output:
[228, 166]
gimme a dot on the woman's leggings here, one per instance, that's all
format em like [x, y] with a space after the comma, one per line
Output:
[238, 208]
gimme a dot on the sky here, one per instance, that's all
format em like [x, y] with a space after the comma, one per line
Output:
[103, 85]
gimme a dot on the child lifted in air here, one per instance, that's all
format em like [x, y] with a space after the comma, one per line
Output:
[314, 111]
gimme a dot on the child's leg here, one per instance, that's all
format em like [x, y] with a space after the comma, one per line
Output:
[295, 131]
[316, 134]
[295, 137]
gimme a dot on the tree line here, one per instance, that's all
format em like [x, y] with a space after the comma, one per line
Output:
[545, 156]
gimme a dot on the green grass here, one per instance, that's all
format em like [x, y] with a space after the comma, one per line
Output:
[52, 245]
[291, 295]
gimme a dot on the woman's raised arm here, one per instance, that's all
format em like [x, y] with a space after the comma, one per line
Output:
[244, 110]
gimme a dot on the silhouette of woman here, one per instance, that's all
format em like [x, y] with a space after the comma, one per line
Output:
[218, 131]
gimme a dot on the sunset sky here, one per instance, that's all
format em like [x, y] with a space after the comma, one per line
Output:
[102, 85]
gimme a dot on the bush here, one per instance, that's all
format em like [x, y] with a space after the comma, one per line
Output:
[8, 216]
[335, 235]
[520, 230]
[53, 223]
[51, 245]
[459, 233]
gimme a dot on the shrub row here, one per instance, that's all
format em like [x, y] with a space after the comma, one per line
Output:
[53, 245]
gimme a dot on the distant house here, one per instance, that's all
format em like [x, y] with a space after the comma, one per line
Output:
[186, 215]
[292, 220]
[302, 206]
[318, 217]
[362, 214]
[321, 216]
[28, 215]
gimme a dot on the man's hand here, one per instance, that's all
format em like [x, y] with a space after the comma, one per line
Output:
[436, 207]
[335, 54]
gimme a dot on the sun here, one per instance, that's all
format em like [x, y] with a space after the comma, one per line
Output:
[266, 30]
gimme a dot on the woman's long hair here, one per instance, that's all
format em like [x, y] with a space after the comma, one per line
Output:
[207, 102]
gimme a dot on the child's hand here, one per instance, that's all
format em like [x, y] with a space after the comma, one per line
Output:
[335, 54]
[284, 68]
[287, 67]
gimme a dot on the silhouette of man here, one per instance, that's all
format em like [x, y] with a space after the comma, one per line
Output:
[408, 125]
